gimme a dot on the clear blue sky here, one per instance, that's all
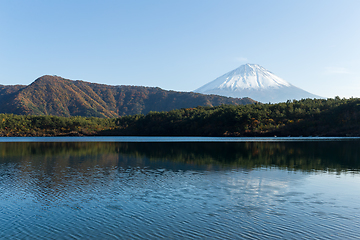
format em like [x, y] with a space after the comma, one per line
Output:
[181, 45]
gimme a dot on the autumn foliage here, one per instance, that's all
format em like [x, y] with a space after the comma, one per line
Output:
[307, 117]
[53, 95]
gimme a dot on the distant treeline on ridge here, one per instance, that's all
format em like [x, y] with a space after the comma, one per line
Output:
[307, 117]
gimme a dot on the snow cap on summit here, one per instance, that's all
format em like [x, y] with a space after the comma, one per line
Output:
[248, 76]
[254, 81]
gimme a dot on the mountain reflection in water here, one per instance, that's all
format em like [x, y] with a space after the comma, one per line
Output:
[223, 190]
[305, 156]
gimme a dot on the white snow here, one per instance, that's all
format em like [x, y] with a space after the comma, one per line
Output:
[248, 76]
[254, 81]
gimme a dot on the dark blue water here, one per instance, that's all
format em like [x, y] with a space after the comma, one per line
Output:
[192, 190]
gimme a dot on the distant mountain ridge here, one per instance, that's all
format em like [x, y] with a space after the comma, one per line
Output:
[53, 95]
[254, 81]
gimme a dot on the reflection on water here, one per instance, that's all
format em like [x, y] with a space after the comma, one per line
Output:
[305, 156]
[179, 190]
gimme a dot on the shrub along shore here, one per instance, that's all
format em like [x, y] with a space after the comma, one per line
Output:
[307, 117]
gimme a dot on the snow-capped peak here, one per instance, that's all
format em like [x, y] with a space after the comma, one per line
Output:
[254, 81]
[248, 76]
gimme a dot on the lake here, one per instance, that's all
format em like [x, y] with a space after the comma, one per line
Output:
[179, 188]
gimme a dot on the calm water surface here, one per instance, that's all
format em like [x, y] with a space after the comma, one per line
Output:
[149, 190]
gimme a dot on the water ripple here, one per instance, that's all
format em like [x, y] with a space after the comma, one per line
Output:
[148, 203]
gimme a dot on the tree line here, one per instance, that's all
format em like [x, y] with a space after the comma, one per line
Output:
[306, 117]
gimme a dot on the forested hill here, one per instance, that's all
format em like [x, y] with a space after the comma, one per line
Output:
[319, 117]
[307, 117]
[53, 95]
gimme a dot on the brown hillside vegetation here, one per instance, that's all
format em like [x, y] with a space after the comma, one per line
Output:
[7, 92]
[53, 95]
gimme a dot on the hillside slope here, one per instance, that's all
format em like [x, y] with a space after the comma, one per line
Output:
[53, 95]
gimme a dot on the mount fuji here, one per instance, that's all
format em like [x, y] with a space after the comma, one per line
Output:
[254, 81]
